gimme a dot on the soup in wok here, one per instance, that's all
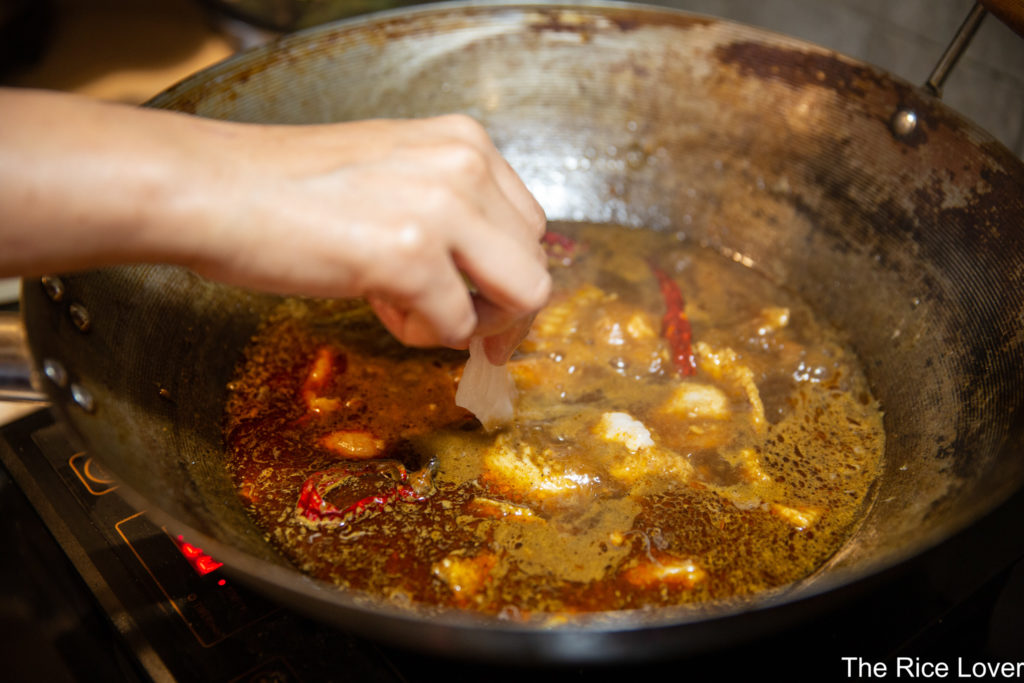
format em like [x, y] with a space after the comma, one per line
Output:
[683, 431]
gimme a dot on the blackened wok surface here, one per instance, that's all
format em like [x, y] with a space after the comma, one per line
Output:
[772, 151]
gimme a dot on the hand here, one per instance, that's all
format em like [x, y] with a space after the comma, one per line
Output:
[399, 212]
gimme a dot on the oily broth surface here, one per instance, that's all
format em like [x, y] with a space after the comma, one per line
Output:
[620, 483]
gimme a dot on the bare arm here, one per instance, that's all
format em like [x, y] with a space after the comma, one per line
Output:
[393, 210]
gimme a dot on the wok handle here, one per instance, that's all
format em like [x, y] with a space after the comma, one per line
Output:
[1011, 12]
[955, 49]
[17, 377]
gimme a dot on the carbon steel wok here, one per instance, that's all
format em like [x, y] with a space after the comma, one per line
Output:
[772, 151]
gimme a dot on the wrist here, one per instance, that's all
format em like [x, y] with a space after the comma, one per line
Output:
[194, 193]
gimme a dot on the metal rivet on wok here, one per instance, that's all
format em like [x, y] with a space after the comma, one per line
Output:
[53, 286]
[81, 396]
[904, 122]
[80, 317]
[55, 372]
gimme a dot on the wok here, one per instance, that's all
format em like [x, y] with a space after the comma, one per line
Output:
[774, 152]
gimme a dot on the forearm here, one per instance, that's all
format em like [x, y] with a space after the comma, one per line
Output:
[398, 211]
[83, 183]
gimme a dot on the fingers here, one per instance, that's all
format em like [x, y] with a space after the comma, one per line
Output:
[501, 334]
[390, 315]
[508, 273]
[512, 187]
[440, 313]
[499, 251]
[520, 197]
[499, 347]
[437, 309]
[492, 230]
[399, 212]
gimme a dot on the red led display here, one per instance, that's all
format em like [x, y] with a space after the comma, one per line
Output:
[200, 561]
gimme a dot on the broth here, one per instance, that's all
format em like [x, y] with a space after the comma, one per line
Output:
[664, 451]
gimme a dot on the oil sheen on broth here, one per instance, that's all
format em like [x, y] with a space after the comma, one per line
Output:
[642, 468]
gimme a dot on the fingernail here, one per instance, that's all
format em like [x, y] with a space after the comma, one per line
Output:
[498, 352]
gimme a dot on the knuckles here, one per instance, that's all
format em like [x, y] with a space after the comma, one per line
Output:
[464, 161]
[465, 127]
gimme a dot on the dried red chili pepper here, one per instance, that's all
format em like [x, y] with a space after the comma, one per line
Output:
[675, 326]
[315, 508]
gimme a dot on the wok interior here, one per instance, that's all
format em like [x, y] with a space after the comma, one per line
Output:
[771, 151]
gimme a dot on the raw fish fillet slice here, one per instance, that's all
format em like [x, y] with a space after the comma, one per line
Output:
[486, 390]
